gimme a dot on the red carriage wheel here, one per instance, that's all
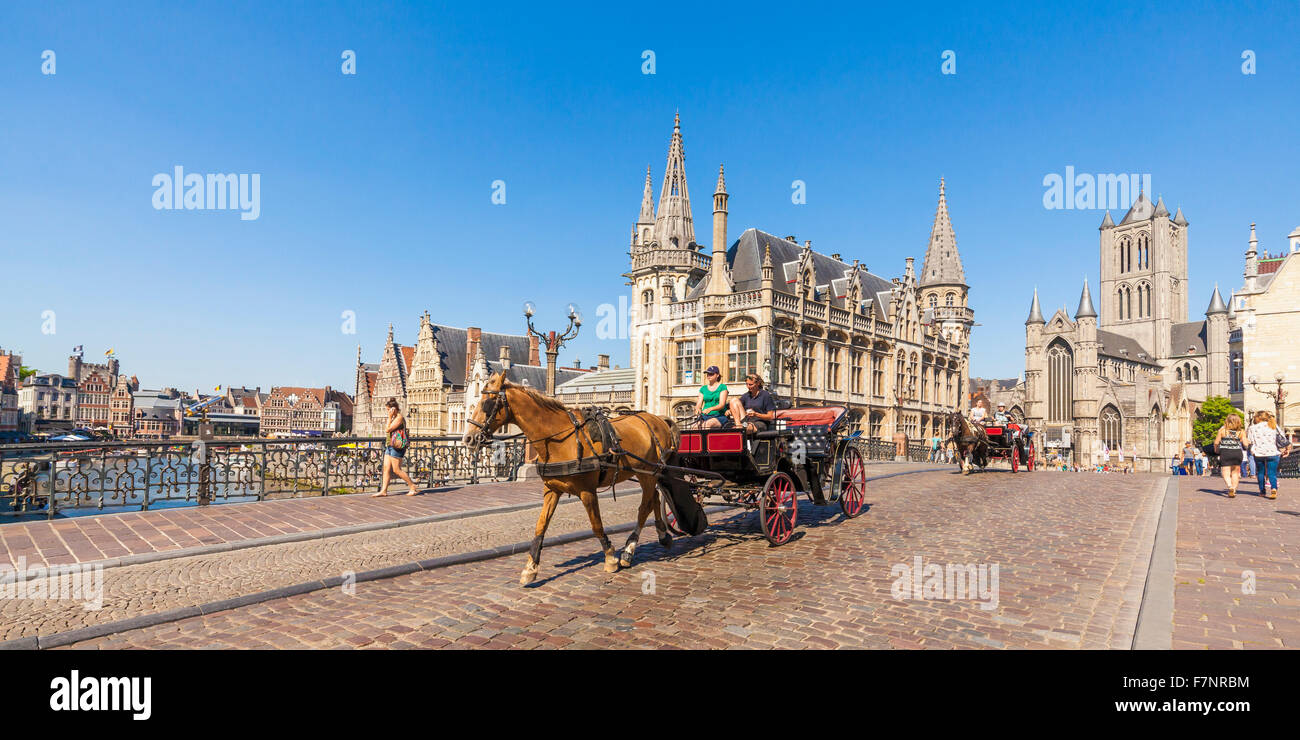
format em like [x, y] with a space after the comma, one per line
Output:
[778, 508]
[854, 491]
[1015, 458]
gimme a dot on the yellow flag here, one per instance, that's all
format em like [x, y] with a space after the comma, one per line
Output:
[218, 388]
[109, 352]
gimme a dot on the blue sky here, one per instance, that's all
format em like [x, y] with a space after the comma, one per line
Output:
[376, 188]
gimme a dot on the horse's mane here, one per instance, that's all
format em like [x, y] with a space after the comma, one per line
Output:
[541, 399]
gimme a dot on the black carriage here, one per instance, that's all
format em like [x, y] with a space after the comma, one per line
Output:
[1012, 442]
[807, 451]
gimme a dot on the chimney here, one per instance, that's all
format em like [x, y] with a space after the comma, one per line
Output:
[534, 358]
[792, 239]
[505, 357]
[807, 243]
[836, 257]
[602, 362]
[472, 337]
[577, 364]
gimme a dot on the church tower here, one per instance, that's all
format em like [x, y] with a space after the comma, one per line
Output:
[1143, 290]
[666, 264]
[943, 282]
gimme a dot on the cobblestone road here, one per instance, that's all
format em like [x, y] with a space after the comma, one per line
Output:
[1228, 548]
[1071, 550]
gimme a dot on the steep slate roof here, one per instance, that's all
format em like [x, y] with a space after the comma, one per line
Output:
[8, 371]
[746, 260]
[534, 376]
[1182, 336]
[452, 346]
[1141, 210]
[1112, 345]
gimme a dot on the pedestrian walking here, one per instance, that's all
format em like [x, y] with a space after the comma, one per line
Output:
[397, 442]
[1189, 458]
[1268, 446]
[1230, 445]
[934, 449]
[1200, 463]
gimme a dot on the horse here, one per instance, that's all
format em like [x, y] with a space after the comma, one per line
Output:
[971, 442]
[645, 441]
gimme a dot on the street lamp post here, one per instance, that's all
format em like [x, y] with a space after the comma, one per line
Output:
[1278, 395]
[789, 351]
[553, 341]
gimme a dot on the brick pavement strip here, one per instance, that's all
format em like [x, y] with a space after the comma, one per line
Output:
[141, 535]
[1237, 581]
[1071, 551]
[220, 580]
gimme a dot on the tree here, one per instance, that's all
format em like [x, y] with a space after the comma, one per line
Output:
[1210, 416]
[25, 372]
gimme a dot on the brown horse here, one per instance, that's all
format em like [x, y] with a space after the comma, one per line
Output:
[971, 442]
[556, 437]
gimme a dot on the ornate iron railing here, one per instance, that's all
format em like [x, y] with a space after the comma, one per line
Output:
[46, 479]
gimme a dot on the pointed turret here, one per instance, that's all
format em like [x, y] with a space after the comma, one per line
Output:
[1035, 313]
[1216, 303]
[1085, 310]
[1160, 208]
[718, 282]
[942, 264]
[1232, 305]
[767, 265]
[1106, 223]
[1252, 261]
[673, 226]
[1178, 217]
[643, 232]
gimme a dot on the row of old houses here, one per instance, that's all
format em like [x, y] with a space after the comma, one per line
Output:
[100, 399]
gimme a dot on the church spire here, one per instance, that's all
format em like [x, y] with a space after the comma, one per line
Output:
[1035, 313]
[942, 263]
[673, 227]
[1085, 310]
[647, 217]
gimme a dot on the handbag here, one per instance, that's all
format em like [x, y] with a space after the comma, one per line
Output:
[1281, 442]
[398, 439]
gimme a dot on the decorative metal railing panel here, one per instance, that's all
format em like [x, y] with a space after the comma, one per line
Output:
[46, 479]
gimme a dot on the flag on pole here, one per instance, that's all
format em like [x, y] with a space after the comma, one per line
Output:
[218, 389]
[77, 349]
[109, 353]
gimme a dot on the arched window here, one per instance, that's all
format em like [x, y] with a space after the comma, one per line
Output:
[1178, 372]
[1128, 302]
[647, 304]
[949, 299]
[1060, 381]
[934, 300]
[1109, 425]
[1196, 373]
[1154, 431]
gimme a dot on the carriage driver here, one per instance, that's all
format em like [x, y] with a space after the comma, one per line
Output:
[754, 409]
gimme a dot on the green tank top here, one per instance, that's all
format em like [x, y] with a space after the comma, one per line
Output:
[711, 397]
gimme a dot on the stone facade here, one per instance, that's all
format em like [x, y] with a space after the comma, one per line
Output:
[439, 379]
[289, 410]
[1131, 376]
[818, 329]
[1265, 322]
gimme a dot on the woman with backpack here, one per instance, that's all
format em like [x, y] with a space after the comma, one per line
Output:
[1268, 446]
[397, 442]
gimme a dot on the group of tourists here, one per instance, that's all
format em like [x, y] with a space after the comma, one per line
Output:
[1256, 450]
[1191, 461]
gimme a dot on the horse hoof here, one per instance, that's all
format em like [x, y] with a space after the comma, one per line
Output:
[528, 575]
[611, 564]
[665, 542]
[625, 560]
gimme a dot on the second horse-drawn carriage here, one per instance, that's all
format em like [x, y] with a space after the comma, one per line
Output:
[807, 451]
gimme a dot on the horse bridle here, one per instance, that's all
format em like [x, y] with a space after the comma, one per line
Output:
[492, 405]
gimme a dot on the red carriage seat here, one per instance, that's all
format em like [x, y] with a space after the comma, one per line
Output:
[811, 416]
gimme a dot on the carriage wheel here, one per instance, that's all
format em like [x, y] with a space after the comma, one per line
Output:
[1015, 458]
[670, 519]
[854, 490]
[778, 508]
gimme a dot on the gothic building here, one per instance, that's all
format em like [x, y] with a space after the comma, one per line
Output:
[439, 378]
[1264, 316]
[819, 329]
[1127, 374]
